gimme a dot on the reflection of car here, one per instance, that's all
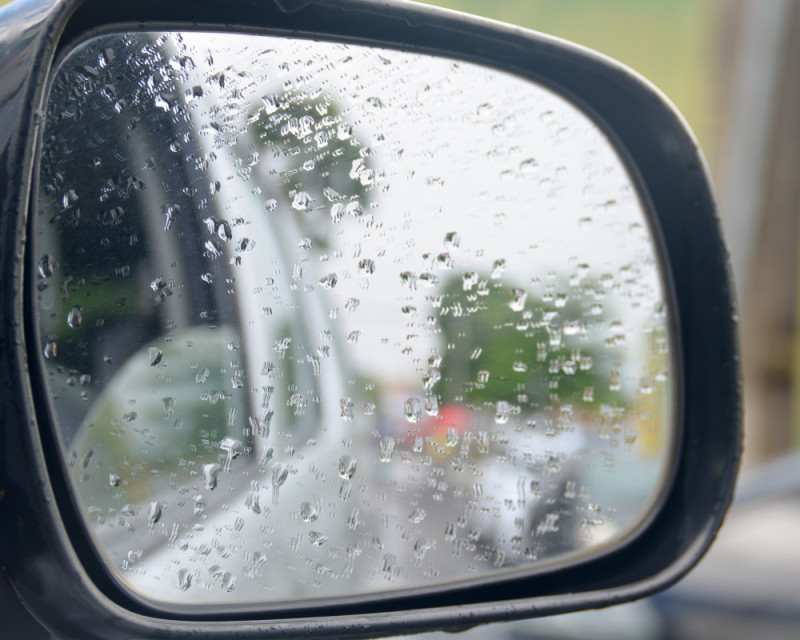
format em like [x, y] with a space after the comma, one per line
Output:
[317, 520]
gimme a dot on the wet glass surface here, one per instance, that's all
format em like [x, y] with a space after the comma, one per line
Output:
[321, 320]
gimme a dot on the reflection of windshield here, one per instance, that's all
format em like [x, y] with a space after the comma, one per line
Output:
[339, 320]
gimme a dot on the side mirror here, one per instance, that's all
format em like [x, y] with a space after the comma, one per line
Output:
[350, 319]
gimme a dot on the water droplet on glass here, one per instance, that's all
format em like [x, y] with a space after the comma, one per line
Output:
[347, 467]
[413, 410]
[302, 201]
[354, 209]
[520, 367]
[113, 480]
[366, 267]
[374, 103]
[452, 437]
[417, 515]
[346, 409]
[483, 376]
[184, 579]
[155, 511]
[329, 281]
[51, 348]
[228, 581]
[502, 412]
[452, 241]
[154, 355]
[47, 266]
[308, 512]
[497, 268]
[245, 244]
[518, 298]
[232, 448]
[337, 212]
[210, 474]
[316, 538]
[469, 280]
[279, 474]
[386, 449]
[429, 279]
[75, 316]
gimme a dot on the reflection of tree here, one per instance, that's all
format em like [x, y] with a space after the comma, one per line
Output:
[529, 353]
[318, 162]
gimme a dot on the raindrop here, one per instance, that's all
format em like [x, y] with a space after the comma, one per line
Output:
[337, 212]
[429, 279]
[452, 241]
[316, 538]
[469, 280]
[520, 367]
[347, 467]
[154, 355]
[366, 267]
[413, 410]
[374, 104]
[409, 280]
[184, 579]
[245, 244]
[210, 474]
[452, 437]
[502, 412]
[202, 375]
[228, 581]
[386, 449]
[113, 480]
[497, 268]
[517, 302]
[483, 376]
[308, 512]
[279, 474]
[329, 281]
[354, 209]
[51, 348]
[346, 409]
[302, 201]
[47, 266]
[417, 515]
[155, 511]
[75, 316]
[432, 406]
[232, 448]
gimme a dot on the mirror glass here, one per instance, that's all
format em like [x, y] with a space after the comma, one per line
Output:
[319, 321]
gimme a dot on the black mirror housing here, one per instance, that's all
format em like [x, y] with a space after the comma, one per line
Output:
[55, 571]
